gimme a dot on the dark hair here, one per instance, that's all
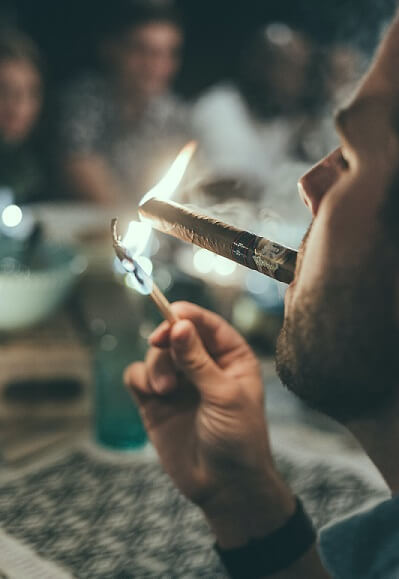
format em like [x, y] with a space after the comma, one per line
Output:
[262, 51]
[127, 14]
[15, 45]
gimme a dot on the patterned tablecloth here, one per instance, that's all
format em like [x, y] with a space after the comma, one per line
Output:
[84, 512]
[71, 509]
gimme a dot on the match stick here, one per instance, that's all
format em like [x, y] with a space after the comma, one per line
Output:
[148, 286]
[162, 303]
[241, 246]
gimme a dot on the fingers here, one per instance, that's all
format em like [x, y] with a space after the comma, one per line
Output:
[161, 371]
[226, 346]
[160, 337]
[219, 338]
[202, 346]
[136, 381]
[135, 378]
[191, 357]
[157, 375]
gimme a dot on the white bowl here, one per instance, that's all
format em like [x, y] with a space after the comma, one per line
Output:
[29, 297]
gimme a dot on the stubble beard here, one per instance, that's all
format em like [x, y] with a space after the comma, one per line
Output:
[337, 350]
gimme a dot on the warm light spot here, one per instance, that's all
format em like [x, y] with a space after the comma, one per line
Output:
[224, 266]
[206, 262]
[137, 237]
[132, 282]
[108, 343]
[145, 263]
[203, 261]
[11, 216]
[164, 279]
[256, 284]
[245, 314]
[165, 188]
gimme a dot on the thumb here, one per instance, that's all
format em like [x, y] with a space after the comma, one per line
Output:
[192, 358]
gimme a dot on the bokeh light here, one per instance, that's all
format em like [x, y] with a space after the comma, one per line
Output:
[11, 216]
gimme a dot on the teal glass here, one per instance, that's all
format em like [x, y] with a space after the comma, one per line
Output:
[117, 420]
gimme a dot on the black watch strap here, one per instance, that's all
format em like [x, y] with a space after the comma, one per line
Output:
[273, 553]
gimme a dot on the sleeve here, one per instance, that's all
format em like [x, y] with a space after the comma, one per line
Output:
[364, 546]
[228, 138]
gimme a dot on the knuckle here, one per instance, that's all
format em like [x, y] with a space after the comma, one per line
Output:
[198, 364]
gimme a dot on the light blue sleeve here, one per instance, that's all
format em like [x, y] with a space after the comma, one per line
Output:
[364, 546]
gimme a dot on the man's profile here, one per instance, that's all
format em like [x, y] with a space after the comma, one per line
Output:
[337, 350]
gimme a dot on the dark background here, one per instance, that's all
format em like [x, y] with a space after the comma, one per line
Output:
[216, 30]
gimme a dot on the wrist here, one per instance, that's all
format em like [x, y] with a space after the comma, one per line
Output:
[238, 516]
[287, 552]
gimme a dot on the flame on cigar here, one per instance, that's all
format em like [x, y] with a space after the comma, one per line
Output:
[166, 187]
[138, 234]
[131, 248]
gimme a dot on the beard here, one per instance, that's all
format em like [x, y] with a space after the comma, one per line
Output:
[337, 350]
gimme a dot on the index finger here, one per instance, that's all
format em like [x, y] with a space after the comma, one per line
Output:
[218, 336]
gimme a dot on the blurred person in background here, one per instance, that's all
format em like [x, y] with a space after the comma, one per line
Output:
[254, 127]
[343, 67]
[347, 66]
[120, 127]
[23, 165]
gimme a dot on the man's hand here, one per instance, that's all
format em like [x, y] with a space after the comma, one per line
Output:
[201, 398]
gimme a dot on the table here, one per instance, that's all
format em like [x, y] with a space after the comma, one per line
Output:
[69, 508]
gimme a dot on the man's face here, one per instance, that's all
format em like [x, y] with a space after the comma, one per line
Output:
[148, 57]
[337, 348]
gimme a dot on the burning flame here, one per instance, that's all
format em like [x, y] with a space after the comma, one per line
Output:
[137, 237]
[138, 234]
[165, 188]
[11, 215]
[205, 261]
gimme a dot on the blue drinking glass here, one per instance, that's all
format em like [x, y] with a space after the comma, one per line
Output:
[117, 420]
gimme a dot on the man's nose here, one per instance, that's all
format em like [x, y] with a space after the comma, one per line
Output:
[319, 179]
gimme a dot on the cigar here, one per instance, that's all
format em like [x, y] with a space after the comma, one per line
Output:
[243, 247]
